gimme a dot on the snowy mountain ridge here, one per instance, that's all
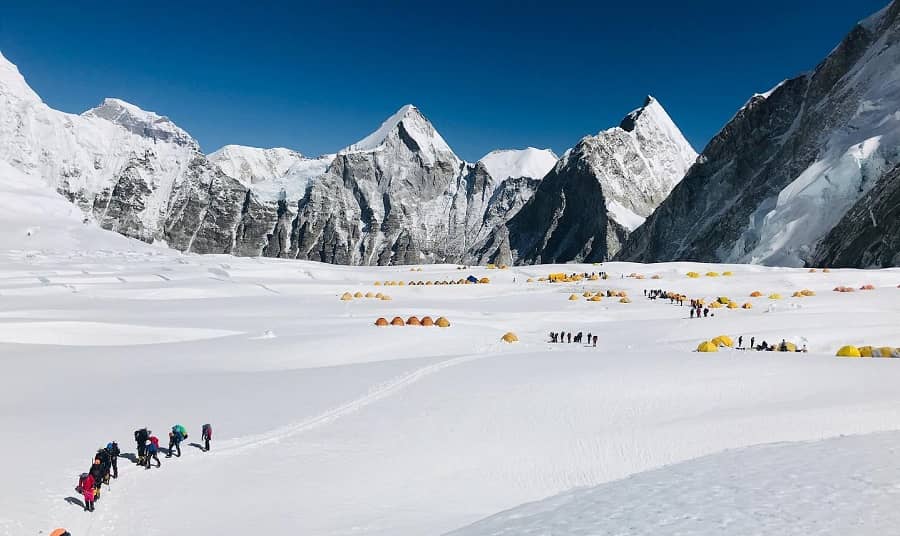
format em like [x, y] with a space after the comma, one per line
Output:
[785, 170]
[512, 163]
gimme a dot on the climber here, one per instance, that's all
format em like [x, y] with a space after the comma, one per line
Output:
[206, 435]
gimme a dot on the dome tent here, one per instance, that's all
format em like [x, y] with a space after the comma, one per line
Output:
[346, 296]
[755, 294]
[427, 321]
[381, 322]
[747, 305]
[442, 322]
[413, 321]
[723, 340]
[848, 351]
[509, 337]
[707, 346]
[397, 321]
[573, 297]
[358, 294]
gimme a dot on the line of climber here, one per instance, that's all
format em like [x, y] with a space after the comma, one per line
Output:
[104, 465]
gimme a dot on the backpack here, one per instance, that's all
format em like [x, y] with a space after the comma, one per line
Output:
[80, 487]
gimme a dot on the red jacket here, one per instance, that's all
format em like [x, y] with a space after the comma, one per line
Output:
[87, 487]
[154, 440]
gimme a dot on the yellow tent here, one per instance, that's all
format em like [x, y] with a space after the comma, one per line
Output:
[775, 296]
[723, 340]
[812, 270]
[865, 351]
[555, 278]
[707, 346]
[848, 351]
[484, 280]
[509, 337]
[573, 297]
[379, 295]
[693, 275]
[712, 274]
[378, 283]
[624, 300]
[358, 294]
[732, 305]
[442, 322]
[715, 305]
[807, 292]
[530, 280]
[789, 347]
[595, 298]
[724, 300]
[370, 295]
[385, 297]
[747, 305]
[346, 296]
[886, 351]
[728, 274]
[400, 283]
[587, 294]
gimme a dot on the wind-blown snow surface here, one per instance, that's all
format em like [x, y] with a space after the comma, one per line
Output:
[505, 164]
[326, 424]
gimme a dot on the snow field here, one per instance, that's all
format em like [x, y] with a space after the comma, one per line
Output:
[327, 424]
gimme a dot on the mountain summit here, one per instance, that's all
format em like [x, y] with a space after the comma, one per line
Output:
[598, 192]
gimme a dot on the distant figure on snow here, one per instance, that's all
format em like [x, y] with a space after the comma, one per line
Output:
[595, 341]
[206, 435]
[741, 341]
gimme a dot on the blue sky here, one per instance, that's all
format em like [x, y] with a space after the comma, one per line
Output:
[316, 76]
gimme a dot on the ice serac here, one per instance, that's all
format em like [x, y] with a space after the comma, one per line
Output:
[786, 169]
[869, 233]
[401, 196]
[597, 193]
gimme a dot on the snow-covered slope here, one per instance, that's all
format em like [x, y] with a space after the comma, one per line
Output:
[784, 171]
[599, 191]
[800, 488]
[271, 174]
[251, 165]
[513, 163]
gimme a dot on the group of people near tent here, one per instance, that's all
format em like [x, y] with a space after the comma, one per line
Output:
[569, 337]
[105, 463]
[673, 297]
[783, 346]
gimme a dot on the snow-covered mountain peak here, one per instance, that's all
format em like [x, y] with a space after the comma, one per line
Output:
[12, 83]
[141, 122]
[410, 127]
[514, 163]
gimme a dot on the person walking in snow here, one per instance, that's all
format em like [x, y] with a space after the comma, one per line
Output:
[692, 313]
[595, 341]
[152, 452]
[206, 435]
[569, 337]
[113, 450]
[740, 341]
[176, 436]
[96, 473]
[752, 342]
[140, 438]
[102, 457]
[705, 312]
[87, 491]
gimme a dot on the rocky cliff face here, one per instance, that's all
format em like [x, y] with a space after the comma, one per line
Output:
[599, 191]
[782, 174]
[401, 196]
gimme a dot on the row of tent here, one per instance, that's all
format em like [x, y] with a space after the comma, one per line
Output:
[426, 321]
[598, 296]
[465, 281]
[695, 275]
[371, 295]
[868, 351]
